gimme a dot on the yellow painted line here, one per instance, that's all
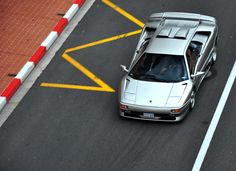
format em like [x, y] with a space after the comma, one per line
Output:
[124, 13]
[103, 85]
[87, 73]
[70, 86]
[104, 41]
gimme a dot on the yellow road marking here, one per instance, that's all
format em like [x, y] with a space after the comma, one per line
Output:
[69, 86]
[103, 85]
[87, 73]
[124, 13]
[68, 58]
[104, 41]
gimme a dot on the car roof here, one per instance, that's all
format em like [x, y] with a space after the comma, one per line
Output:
[174, 31]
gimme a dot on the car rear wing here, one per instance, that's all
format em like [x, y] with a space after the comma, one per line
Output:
[181, 16]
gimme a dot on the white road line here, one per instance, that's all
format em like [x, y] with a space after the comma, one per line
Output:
[214, 122]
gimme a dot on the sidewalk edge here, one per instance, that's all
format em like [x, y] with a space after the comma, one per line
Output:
[39, 54]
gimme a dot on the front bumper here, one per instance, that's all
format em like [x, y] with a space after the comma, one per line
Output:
[155, 114]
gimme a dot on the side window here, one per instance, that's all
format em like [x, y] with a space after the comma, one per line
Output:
[195, 48]
[192, 55]
[143, 46]
[140, 51]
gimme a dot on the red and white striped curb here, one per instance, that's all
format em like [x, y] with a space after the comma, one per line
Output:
[34, 60]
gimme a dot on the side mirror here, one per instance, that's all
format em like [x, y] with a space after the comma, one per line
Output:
[124, 68]
[197, 74]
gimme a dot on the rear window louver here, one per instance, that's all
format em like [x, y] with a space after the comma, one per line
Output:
[169, 32]
[165, 32]
[182, 33]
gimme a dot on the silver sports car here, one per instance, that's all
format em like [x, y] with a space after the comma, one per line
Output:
[173, 56]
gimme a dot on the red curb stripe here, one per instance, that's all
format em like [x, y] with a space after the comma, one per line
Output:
[11, 89]
[60, 26]
[80, 2]
[38, 55]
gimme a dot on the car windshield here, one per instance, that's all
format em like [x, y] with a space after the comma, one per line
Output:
[159, 68]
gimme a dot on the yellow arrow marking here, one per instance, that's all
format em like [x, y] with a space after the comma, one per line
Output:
[104, 41]
[103, 85]
[77, 87]
[88, 73]
[124, 13]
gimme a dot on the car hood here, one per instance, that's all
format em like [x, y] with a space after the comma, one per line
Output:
[158, 94]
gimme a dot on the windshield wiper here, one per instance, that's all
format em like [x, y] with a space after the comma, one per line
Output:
[153, 77]
[145, 76]
[136, 75]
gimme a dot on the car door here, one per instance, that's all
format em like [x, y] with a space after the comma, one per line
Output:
[203, 47]
[193, 54]
[206, 51]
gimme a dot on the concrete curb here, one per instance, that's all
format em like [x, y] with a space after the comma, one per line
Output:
[39, 54]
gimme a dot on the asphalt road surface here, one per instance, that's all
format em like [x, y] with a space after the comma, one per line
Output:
[75, 129]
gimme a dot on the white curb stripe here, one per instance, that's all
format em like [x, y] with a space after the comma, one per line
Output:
[29, 66]
[214, 122]
[25, 71]
[50, 39]
[3, 101]
[71, 12]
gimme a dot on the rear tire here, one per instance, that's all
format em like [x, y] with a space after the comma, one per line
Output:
[192, 100]
[213, 59]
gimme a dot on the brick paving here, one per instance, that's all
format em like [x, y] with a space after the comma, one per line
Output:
[24, 25]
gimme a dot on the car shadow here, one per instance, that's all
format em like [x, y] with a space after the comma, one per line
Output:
[211, 74]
